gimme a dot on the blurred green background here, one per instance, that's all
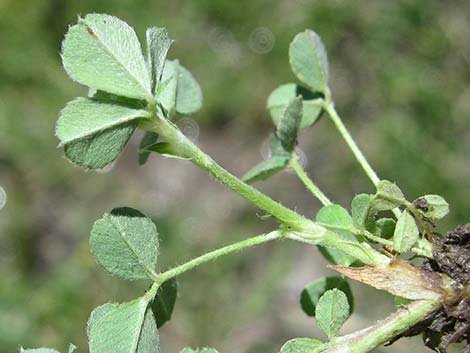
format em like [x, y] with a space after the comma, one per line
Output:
[401, 80]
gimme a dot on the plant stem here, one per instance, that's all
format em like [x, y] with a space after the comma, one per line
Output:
[186, 148]
[294, 162]
[370, 172]
[247, 243]
[330, 109]
[385, 330]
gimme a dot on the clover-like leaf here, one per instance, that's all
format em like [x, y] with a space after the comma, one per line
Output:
[332, 311]
[125, 243]
[388, 196]
[406, 233]
[308, 60]
[199, 350]
[361, 210]
[149, 139]
[164, 301]
[158, 44]
[266, 169]
[302, 345]
[314, 290]
[288, 125]
[123, 328]
[103, 52]
[38, 350]
[281, 96]
[433, 207]
[337, 217]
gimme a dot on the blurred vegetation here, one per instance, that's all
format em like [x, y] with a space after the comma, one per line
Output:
[400, 78]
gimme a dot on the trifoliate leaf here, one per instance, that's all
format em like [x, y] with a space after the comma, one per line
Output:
[388, 196]
[406, 233]
[308, 60]
[337, 216]
[266, 169]
[360, 210]
[281, 96]
[123, 328]
[383, 227]
[166, 149]
[288, 125]
[314, 290]
[158, 44]
[101, 149]
[125, 243]
[38, 350]
[302, 345]
[188, 93]
[433, 207]
[164, 302]
[103, 52]
[199, 350]
[149, 139]
[84, 117]
[332, 311]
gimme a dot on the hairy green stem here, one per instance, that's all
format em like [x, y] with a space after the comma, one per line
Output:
[385, 330]
[247, 243]
[294, 163]
[188, 149]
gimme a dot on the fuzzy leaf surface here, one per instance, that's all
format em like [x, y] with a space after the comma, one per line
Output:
[314, 290]
[123, 328]
[288, 125]
[308, 60]
[103, 52]
[406, 233]
[388, 196]
[188, 93]
[332, 311]
[149, 139]
[360, 210]
[433, 207]
[125, 243]
[158, 45]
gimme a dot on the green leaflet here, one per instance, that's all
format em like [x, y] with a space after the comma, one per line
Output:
[103, 52]
[266, 169]
[288, 125]
[149, 139]
[314, 290]
[123, 328]
[97, 151]
[158, 44]
[433, 207]
[179, 90]
[199, 350]
[332, 311]
[360, 210]
[125, 243]
[164, 301]
[188, 93]
[84, 117]
[406, 233]
[383, 227]
[302, 345]
[388, 196]
[38, 350]
[308, 60]
[337, 216]
[281, 96]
